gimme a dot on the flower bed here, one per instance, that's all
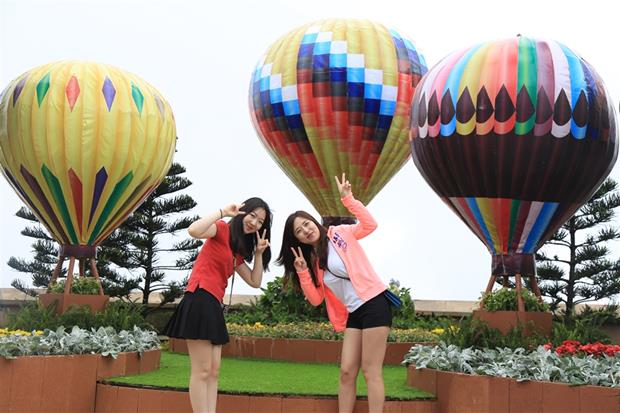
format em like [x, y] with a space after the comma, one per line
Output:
[541, 364]
[574, 347]
[295, 350]
[324, 331]
[58, 370]
[104, 341]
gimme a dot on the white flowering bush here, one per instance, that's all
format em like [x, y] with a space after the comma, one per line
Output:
[105, 341]
[541, 364]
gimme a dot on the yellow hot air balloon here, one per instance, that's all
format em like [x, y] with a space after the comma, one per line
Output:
[83, 144]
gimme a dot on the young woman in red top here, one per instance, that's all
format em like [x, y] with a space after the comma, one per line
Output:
[199, 317]
[330, 265]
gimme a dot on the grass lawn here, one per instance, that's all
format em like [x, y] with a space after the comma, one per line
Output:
[272, 377]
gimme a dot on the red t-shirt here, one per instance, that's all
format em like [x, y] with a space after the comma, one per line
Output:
[214, 264]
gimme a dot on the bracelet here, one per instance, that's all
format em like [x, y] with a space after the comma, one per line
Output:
[221, 214]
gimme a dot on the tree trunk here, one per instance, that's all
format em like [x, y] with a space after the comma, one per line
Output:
[570, 286]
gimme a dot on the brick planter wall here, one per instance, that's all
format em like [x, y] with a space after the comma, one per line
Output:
[294, 350]
[134, 400]
[62, 383]
[457, 392]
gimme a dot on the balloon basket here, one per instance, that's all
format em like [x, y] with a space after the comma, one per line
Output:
[532, 322]
[95, 303]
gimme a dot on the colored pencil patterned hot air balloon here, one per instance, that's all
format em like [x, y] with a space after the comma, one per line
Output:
[83, 144]
[334, 96]
[515, 136]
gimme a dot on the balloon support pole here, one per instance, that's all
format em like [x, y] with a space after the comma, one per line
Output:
[82, 261]
[518, 287]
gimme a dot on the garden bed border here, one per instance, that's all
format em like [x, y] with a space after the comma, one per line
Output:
[458, 392]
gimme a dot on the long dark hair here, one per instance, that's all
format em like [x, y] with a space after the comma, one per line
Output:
[245, 244]
[289, 241]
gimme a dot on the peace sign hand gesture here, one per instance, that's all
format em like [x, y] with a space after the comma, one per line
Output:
[232, 210]
[300, 261]
[344, 186]
[261, 242]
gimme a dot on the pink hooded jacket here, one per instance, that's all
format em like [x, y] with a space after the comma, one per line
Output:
[366, 282]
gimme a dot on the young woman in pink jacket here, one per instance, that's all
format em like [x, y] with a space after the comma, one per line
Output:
[329, 264]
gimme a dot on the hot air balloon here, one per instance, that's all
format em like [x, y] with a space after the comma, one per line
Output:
[514, 136]
[334, 96]
[83, 144]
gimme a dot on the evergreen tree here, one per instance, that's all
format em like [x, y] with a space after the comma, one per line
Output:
[133, 248]
[583, 272]
[144, 229]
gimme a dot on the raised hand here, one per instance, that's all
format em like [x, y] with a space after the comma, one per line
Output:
[344, 186]
[300, 261]
[232, 210]
[261, 242]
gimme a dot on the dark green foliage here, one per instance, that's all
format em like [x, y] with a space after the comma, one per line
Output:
[159, 318]
[505, 299]
[584, 272]
[119, 315]
[403, 317]
[586, 326]
[277, 304]
[470, 332]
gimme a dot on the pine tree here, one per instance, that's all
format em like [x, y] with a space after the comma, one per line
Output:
[129, 258]
[583, 272]
[144, 229]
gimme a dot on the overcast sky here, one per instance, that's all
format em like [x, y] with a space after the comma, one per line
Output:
[200, 55]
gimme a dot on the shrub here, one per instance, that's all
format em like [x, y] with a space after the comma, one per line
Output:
[505, 299]
[321, 331]
[80, 285]
[540, 364]
[118, 314]
[104, 341]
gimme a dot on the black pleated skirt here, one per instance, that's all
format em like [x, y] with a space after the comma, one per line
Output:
[198, 316]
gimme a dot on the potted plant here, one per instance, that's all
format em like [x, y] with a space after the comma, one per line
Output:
[85, 291]
[499, 309]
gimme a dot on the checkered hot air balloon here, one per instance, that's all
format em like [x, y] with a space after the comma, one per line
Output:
[83, 144]
[334, 96]
[514, 136]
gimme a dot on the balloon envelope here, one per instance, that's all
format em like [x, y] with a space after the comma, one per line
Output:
[515, 136]
[83, 144]
[334, 96]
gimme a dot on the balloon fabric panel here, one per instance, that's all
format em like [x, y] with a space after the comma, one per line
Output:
[335, 96]
[514, 136]
[83, 144]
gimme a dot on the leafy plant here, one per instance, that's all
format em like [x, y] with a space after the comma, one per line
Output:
[118, 314]
[277, 304]
[471, 332]
[404, 316]
[80, 285]
[519, 364]
[505, 299]
[104, 341]
[321, 331]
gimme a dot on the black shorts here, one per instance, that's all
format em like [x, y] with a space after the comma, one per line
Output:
[198, 316]
[375, 312]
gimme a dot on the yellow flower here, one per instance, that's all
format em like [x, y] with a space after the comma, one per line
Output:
[438, 330]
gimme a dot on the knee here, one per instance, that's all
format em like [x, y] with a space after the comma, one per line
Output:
[372, 374]
[214, 373]
[347, 375]
[207, 372]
